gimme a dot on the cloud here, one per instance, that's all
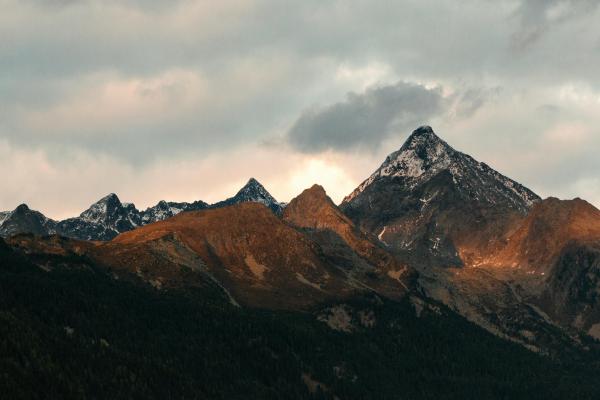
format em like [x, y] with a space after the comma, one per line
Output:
[138, 84]
[62, 188]
[537, 17]
[366, 120]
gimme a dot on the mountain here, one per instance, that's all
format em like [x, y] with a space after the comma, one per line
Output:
[253, 255]
[108, 217]
[343, 243]
[69, 323]
[24, 220]
[548, 228]
[405, 272]
[252, 191]
[103, 220]
[483, 244]
[436, 203]
[167, 209]
[557, 248]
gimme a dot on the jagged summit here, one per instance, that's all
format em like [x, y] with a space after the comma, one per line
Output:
[102, 209]
[167, 209]
[255, 190]
[314, 209]
[425, 155]
[423, 134]
[21, 208]
[25, 220]
[252, 182]
[252, 191]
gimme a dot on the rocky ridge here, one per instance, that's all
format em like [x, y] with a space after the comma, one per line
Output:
[108, 217]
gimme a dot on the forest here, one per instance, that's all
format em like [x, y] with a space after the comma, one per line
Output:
[75, 332]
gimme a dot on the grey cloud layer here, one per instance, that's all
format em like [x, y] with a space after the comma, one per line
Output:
[365, 120]
[259, 63]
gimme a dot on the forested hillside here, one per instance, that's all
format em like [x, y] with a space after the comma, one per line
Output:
[76, 332]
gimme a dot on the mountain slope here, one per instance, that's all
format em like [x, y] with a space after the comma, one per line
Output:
[557, 247]
[253, 254]
[548, 228]
[483, 244]
[71, 330]
[3, 216]
[436, 203]
[361, 255]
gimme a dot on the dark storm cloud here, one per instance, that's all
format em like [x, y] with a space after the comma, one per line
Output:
[367, 118]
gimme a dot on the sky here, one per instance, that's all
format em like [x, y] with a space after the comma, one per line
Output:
[184, 100]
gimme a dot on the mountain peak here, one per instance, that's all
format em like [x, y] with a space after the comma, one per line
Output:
[252, 185]
[99, 211]
[316, 191]
[422, 152]
[25, 220]
[424, 137]
[425, 155]
[110, 198]
[422, 156]
[253, 182]
[22, 208]
[314, 209]
[252, 191]
[424, 131]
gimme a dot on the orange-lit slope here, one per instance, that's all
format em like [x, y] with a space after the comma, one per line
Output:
[258, 258]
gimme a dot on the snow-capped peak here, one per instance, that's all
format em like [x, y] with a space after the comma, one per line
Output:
[422, 152]
[424, 155]
[253, 190]
[100, 210]
[163, 210]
